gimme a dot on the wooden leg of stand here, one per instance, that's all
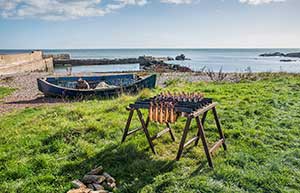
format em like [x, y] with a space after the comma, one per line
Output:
[147, 122]
[145, 125]
[185, 131]
[171, 132]
[219, 127]
[204, 118]
[203, 139]
[127, 125]
[202, 122]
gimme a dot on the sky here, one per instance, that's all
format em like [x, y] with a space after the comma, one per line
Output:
[75, 24]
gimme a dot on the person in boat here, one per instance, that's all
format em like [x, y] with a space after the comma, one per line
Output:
[138, 77]
[82, 84]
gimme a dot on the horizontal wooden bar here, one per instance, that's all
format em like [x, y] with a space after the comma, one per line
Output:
[204, 109]
[139, 106]
[160, 133]
[133, 131]
[190, 141]
[216, 146]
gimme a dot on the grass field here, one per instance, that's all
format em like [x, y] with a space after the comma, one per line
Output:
[43, 149]
[4, 91]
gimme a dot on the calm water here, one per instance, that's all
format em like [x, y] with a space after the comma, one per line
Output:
[230, 60]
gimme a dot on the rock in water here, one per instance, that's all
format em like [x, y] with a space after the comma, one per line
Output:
[180, 57]
[287, 60]
[272, 54]
[293, 55]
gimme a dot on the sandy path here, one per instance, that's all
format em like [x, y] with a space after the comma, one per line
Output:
[26, 94]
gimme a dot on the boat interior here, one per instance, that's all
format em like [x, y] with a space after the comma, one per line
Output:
[93, 81]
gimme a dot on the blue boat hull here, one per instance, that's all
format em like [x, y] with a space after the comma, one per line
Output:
[55, 86]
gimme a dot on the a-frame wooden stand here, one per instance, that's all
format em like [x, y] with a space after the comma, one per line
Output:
[190, 116]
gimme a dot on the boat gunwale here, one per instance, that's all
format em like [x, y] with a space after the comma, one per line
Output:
[89, 90]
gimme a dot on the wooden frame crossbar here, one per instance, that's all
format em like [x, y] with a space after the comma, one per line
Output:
[190, 116]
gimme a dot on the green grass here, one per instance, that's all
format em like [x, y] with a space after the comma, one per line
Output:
[4, 91]
[43, 149]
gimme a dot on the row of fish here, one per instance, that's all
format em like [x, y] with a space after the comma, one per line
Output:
[162, 106]
[163, 112]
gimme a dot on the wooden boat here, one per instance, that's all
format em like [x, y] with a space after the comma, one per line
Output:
[121, 83]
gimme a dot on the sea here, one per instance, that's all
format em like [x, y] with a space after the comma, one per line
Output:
[227, 60]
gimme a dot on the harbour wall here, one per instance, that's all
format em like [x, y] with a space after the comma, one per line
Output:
[25, 62]
[147, 63]
[81, 62]
[64, 59]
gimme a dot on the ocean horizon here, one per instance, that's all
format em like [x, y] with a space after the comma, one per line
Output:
[227, 59]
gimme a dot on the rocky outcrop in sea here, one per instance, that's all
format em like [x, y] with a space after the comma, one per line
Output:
[272, 54]
[181, 57]
[280, 54]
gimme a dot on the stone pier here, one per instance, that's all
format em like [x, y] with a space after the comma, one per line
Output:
[25, 62]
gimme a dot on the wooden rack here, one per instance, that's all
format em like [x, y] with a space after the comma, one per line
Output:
[190, 113]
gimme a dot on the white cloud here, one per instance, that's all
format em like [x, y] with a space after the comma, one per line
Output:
[177, 1]
[122, 3]
[73, 9]
[61, 9]
[258, 2]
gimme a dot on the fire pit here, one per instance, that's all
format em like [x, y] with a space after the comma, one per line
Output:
[166, 108]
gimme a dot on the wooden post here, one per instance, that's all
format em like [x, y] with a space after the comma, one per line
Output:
[204, 118]
[185, 131]
[127, 125]
[171, 133]
[199, 132]
[203, 139]
[144, 125]
[219, 127]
